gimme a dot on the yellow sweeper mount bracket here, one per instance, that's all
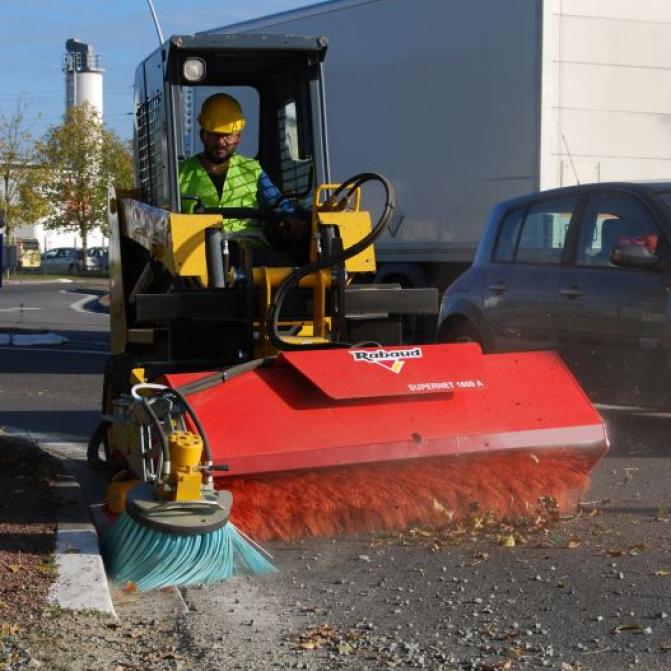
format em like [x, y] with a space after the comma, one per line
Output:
[314, 404]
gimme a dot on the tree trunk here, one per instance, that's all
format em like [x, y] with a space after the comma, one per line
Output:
[83, 234]
[9, 237]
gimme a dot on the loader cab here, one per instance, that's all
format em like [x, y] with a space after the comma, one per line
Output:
[278, 82]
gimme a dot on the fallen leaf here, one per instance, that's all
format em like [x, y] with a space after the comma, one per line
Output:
[441, 508]
[662, 573]
[15, 568]
[636, 549]
[613, 552]
[508, 541]
[8, 629]
[573, 542]
[130, 587]
[344, 648]
[632, 626]
[501, 665]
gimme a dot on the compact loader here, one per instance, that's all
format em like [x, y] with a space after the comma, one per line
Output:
[283, 375]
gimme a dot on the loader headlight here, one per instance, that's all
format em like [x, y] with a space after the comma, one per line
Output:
[194, 69]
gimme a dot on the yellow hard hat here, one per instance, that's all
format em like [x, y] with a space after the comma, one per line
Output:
[221, 113]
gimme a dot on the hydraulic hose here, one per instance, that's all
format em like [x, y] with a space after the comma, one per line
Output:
[163, 438]
[348, 188]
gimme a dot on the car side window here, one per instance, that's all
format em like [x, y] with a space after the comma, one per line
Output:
[508, 234]
[612, 220]
[543, 235]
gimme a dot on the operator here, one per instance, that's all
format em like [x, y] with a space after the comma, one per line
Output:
[221, 177]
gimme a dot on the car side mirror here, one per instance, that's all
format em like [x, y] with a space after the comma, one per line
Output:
[635, 256]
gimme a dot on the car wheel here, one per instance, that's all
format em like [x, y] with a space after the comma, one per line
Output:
[461, 331]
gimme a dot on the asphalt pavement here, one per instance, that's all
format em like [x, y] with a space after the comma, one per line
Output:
[593, 592]
[53, 389]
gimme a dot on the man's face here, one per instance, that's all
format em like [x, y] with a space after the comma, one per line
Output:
[219, 147]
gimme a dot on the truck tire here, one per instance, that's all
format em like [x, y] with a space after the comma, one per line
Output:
[115, 382]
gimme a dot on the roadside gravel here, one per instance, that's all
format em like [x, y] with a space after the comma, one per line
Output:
[590, 592]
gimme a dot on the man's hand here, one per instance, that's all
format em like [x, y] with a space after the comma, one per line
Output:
[293, 227]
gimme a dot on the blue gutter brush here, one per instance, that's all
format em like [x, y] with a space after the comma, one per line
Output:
[156, 544]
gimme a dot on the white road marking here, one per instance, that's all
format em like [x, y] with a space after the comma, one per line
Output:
[18, 308]
[60, 351]
[78, 306]
[641, 411]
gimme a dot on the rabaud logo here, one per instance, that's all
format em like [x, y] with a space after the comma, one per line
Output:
[391, 359]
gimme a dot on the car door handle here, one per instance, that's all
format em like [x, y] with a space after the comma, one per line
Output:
[499, 287]
[572, 292]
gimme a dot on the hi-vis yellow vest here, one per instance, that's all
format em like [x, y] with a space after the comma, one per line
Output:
[240, 189]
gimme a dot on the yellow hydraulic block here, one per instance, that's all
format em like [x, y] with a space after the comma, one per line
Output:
[186, 449]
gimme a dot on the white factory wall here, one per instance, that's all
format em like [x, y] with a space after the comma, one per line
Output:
[50, 239]
[606, 103]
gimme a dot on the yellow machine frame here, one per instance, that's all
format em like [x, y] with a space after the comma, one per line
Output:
[178, 242]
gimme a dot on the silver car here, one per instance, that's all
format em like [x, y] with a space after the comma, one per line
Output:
[63, 260]
[97, 259]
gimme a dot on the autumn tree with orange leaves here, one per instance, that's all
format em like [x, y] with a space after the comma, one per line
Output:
[78, 161]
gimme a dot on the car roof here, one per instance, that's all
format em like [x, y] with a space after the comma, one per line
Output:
[656, 186]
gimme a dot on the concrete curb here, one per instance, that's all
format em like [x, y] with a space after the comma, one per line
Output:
[82, 582]
[55, 280]
[23, 339]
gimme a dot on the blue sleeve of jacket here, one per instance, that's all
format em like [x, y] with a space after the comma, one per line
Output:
[269, 195]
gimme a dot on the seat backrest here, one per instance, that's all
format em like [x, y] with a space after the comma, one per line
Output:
[611, 230]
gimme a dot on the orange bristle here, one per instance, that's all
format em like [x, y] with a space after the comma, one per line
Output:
[396, 496]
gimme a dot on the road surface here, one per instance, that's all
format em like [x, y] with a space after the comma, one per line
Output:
[52, 389]
[591, 592]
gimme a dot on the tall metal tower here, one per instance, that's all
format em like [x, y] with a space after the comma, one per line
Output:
[83, 75]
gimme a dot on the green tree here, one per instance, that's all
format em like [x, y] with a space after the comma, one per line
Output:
[16, 166]
[78, 161]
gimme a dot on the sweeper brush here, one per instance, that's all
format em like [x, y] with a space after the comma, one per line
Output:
[366, 439]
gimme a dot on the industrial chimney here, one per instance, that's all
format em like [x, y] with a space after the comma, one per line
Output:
[83, 76]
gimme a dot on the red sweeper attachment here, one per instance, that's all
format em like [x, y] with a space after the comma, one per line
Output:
[323, 442]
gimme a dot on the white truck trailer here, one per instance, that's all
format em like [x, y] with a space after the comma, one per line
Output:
[462, 103]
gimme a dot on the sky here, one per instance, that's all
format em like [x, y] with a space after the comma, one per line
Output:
[33, 35]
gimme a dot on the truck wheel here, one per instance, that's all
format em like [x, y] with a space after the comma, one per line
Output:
[115, 382]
